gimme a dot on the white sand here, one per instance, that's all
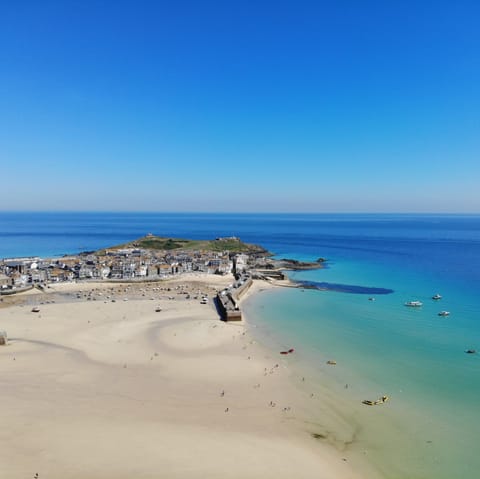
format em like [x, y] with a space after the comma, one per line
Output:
[100, 389]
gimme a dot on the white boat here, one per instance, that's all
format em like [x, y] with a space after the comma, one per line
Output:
[414, 304]
[444, 313]
[437, 296]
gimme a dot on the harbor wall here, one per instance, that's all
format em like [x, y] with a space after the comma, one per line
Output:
[228, 300]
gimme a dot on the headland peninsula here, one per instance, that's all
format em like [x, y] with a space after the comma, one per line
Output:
[115, 363]
[150, 258]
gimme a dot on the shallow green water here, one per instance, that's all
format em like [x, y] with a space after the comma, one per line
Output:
[429, 428]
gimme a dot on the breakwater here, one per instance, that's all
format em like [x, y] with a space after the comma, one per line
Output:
[228, 299]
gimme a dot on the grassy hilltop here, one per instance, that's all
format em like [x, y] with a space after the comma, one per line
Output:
[152, 242]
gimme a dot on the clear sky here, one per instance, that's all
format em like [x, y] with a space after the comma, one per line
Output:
[314, 106]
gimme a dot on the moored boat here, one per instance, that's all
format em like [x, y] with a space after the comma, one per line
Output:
[444, 313]
[436, 296]
[414, 304]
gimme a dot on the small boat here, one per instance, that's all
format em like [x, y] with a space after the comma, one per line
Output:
[371, 299]
[414, 304]
[444, 313]
[331, 362]
[283, 352]
[157, 310]
[35, 309]
[436, 296]
[382, 400]
[470, 351]
[291, 350]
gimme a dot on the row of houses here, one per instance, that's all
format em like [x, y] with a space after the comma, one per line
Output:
[126, 264]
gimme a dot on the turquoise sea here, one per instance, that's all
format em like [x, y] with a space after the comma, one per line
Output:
[429, 427]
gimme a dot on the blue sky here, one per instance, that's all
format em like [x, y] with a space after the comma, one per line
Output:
[318, 106]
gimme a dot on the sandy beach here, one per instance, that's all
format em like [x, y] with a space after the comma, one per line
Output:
[99, 384]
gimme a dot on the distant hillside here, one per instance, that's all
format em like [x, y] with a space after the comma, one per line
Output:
[234, 245]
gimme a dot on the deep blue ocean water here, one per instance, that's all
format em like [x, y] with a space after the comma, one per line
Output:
[429, 428]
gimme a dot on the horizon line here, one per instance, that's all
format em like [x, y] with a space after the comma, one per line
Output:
[182, 212]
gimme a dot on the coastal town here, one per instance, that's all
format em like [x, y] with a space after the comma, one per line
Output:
[153, 259]
[148, 259]
[130, 263]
